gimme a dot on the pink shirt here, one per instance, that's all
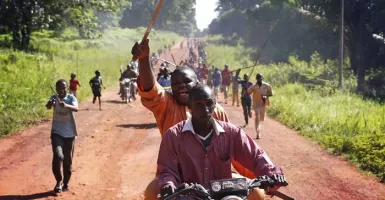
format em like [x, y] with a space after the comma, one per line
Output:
[183, 159]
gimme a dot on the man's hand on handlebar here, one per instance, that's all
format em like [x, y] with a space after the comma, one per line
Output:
[167, 190]
[279, 180]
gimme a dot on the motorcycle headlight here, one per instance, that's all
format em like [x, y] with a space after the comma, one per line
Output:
[231, 197]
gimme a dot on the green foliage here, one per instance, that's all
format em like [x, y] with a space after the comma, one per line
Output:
[26, 77]
[344, 123]
[306, 99]
[22, 17]
[175, 15]
[306, 26]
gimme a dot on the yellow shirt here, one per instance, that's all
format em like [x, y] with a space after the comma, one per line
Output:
[258, 92]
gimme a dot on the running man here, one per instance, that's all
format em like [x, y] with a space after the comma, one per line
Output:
[74, 83]
[245, 97]
[261, 92]
[226, 81]
[96, 84]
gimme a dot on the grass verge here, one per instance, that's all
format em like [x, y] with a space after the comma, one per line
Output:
[306, 100]
[26, 77]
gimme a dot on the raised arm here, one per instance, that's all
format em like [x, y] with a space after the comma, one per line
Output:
[146, 74]
[237, 76]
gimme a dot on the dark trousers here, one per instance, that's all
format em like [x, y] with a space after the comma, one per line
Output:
[246, 105]
[63, 151]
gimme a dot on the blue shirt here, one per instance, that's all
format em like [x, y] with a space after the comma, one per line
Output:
[63, 122]
[244, 88]
[165, 82]
[217, 79]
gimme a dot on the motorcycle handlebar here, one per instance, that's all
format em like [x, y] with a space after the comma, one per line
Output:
[262, 182]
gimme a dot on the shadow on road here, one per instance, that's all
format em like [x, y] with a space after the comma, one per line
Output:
[139, 126]
[116, 101]
[29, 196]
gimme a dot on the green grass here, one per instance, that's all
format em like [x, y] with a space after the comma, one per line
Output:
[26, 77]
[306, 100]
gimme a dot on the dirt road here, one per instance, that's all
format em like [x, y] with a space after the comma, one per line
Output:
[116, 152]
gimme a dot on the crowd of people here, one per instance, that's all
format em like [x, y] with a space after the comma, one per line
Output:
[199, 143]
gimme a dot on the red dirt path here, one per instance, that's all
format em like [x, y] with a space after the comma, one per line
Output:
[116, 152]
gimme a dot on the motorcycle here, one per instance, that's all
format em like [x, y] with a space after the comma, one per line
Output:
[129, 89]
[225, 189]
[154, 60]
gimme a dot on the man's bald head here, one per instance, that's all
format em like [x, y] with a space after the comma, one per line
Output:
[201, 103]
[185, 70]
[200, 91]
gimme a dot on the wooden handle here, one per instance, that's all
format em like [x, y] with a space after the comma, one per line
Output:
[149, 26]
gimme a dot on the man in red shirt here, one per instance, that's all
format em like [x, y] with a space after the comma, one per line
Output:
[74, 83]
[226, 81]
[200, 149]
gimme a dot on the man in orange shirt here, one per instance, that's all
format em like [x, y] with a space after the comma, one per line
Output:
[170, 108]
[261, 92]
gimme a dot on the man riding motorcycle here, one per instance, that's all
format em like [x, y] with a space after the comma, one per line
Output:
[154, 59]
[131, 74]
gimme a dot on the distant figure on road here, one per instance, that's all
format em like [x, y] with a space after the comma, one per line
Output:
[217, 81]
[63, 133]
[245, 97]
[235, 88]
[74, 83]
[261, 92]
[96, 84]
[226, 81]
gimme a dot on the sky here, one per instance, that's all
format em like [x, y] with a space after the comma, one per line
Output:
[205, 12]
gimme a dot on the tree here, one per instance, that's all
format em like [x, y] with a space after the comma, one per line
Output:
[174, 15]
[306, 26]
[362, 20]
[21, 17]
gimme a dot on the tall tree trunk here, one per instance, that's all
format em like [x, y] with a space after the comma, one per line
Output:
[360, 44]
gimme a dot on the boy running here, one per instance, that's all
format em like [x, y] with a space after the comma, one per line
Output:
[74, 83]
[96, 84]
[63, 133]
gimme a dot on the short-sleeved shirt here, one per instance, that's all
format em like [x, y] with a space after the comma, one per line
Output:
[217, 79]
[129, 74]
[96, 82]
[204, 72]
[235, 82]
[244, 86]
[165, 82]
[63, 122]
[258, 92]
[226, 77]
[74, 84]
